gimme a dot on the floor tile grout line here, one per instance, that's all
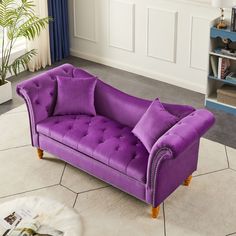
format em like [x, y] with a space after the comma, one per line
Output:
[29, 191]
[226, 152]
[232, 169]
[67, 188]
[230, 234]
[6, 149]
[63, 171]
[94, 189]
[75, 200]
[12, 113]
[212, 172]
[164, 216]
[90, 190]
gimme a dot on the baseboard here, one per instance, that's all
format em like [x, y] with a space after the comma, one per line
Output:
[153, 75]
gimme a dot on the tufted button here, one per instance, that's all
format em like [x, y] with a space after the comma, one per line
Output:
[69, 127]
[51, 94]
[36, 84]
[134, 155]
[93, 139]
[137, 144]
[179, 123]
[53, 77]
[101, 141]
[167, 134]
[37, 102]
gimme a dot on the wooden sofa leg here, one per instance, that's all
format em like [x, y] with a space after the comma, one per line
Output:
[155, 212]
[187, 181]
[40, 153]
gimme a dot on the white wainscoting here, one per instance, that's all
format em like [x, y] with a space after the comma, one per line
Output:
[84, 16]
[121, 25]
[200, 31]
[161, 34]
[165, 40]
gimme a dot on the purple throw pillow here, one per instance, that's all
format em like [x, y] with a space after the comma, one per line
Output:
[75, 96]
[153, 124]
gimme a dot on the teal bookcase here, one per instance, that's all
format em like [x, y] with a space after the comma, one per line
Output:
[213, 83]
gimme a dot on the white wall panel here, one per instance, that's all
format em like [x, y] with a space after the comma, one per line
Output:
[162, 34]
[84, 19]
[164, 40]
[199, 43]
[121, 25]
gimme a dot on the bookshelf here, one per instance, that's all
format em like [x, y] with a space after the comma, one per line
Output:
[218, 41]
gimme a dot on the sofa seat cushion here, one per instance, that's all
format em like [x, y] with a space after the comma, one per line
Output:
[100, 138]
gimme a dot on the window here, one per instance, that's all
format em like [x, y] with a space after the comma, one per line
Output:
[20, 44]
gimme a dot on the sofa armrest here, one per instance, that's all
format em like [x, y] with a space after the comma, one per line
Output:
[40, 94]
[185, 132]
[177, 139]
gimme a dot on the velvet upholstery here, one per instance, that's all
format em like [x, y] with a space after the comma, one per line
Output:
[153, 124]
[79, 99]
[102, 139]
[104, 145]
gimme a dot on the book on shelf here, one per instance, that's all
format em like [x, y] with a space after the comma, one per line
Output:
[223, 67]
[233, 19]
[214, 65]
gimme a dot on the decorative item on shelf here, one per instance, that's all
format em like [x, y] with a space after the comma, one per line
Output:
[231, 77]
[221, 4]
[227, 49]
[226, 42]
[223, 51]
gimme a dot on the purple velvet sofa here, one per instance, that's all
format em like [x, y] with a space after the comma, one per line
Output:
[104, 146]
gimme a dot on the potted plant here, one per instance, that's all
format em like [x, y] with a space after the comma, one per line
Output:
[17, 20]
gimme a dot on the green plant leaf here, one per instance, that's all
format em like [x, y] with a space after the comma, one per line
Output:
[32, 27]
[21, 62]
[18, 19]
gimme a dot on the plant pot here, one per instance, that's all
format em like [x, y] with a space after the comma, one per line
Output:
[5, 92]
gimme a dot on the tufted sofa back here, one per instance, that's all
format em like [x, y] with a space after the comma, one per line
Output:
[127, 109]
[119, 106]
[40, 95]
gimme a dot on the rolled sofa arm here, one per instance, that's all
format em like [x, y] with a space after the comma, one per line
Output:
[185, 132]
[177, 139]
[40, 94]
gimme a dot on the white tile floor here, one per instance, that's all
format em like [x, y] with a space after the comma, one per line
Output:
[207, 207]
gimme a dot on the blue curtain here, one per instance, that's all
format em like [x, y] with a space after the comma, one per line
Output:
[58, 29]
